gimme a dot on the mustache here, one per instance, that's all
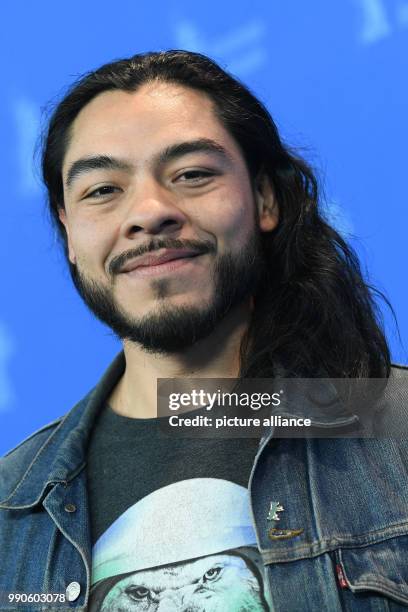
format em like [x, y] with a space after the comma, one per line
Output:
[200, 246]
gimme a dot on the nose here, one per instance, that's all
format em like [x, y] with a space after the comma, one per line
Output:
[152, 209]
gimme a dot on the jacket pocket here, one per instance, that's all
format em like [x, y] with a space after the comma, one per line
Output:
[381, 568]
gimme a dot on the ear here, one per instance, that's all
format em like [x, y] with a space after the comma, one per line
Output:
[267, 205]
[63, 218]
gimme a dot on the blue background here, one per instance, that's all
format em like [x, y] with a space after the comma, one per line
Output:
[333, 74]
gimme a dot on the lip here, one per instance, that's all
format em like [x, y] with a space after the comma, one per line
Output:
[160, 262]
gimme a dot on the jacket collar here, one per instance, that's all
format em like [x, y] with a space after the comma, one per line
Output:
[63, 454]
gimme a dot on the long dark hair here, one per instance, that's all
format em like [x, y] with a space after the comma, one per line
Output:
[314, 314]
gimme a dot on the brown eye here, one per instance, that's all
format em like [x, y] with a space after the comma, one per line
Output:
[194, 176]
[105, 190]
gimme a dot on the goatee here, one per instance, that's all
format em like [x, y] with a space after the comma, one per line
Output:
[173, 329]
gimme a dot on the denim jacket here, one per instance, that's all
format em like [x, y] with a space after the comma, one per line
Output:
[346, 499]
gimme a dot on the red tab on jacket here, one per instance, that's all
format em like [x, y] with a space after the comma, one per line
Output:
[341, 577]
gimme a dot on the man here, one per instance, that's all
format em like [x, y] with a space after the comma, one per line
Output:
[196, 236]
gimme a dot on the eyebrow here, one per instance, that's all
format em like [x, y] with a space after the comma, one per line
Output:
[95, 162]
[201, 145]
[101, 162]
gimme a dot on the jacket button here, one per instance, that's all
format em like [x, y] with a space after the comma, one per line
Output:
[72, 591]
[70, 508]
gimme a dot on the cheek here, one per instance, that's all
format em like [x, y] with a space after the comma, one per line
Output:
[235, 219]
[91, 244]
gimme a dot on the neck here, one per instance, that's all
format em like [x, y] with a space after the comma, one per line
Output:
[216, 356]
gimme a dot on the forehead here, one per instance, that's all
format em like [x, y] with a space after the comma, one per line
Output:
[141, 122]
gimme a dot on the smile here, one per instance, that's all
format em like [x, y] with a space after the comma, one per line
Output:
[161, 266]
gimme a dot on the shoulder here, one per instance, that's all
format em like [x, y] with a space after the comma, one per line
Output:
[57, 447]
[19, 459]
[398, 370]
[391, 413]
[36, 438]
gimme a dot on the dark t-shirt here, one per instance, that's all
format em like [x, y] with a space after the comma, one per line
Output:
[171, 522]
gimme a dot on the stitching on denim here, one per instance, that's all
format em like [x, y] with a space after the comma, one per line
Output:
[48, 441]
[329, 545]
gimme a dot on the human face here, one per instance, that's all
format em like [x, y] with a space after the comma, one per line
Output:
[158, 201]
[217, 582]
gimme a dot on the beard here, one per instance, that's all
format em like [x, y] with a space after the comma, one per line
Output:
[170, 328]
